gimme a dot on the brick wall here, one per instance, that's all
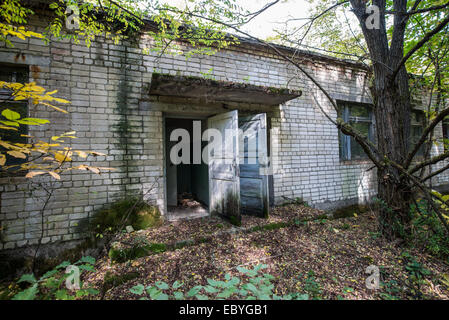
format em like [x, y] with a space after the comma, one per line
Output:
[112, 113]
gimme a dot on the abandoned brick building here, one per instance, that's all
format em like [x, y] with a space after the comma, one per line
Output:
[124, 103]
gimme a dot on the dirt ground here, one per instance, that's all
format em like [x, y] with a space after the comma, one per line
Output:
[325, 258]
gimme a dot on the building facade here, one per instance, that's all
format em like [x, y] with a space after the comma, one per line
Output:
[118, 109]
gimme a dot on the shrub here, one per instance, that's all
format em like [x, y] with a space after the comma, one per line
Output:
[428, 231]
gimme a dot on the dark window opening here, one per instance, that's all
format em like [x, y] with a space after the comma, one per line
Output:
[19, 75]
[360, 117]
[446, 135]
[417, 128]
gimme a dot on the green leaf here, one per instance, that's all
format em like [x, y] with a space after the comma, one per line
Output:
[161, 296]
[64, 264]
[177, 284]
[28, 294]
[215, 283]
[87, 259]
[86, 267]
[10, 115]
[92, 291]
[210, 289]
[194, 291]
[137, 289]
[178, 295]
[49, 274]
[162, 285]
[154, 292]
[242, 270]
[29, 277]
[302, 297]
[243, 292]
[227, 293]
[251, 287]
[62, 294]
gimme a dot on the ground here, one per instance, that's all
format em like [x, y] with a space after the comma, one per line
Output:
[304, 251]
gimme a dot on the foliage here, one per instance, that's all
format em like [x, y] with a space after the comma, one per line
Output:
[38, 157]
[124, 19]
[136, 251]
[417, 273]
[311, 286]
[13, 16]
[253, 285]
[51, 285]
[428, 231]
[130, 211]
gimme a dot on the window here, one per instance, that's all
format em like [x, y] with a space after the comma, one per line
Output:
[417, 123]
[360, 117]
[20, 75]
[446, 134]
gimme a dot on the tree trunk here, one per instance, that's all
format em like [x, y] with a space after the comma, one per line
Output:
[393, 114]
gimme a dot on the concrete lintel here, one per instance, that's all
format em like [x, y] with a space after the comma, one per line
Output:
[24, 59]
[212, 91]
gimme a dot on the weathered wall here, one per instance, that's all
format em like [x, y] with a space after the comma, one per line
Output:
[112, 113]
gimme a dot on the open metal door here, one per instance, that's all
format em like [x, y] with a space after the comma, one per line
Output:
[254, 193]
[224, 183]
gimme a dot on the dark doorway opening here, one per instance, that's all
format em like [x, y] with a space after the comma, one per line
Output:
[187, 183]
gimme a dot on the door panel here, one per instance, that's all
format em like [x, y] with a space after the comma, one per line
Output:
[224, 183]
[253, 150]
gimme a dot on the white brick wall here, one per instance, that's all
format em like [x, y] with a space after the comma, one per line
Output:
[108, 87]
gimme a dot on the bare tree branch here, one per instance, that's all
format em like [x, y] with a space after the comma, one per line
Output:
[427, 130]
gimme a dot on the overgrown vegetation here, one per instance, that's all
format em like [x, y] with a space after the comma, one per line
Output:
[130, 211]
[253, 285]
[52, 285]
[427, 230]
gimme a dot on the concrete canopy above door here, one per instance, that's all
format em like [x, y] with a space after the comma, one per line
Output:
[211, 91]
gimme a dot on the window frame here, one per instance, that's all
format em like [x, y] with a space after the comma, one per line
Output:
[345, 141]
[422, 124]
[17, 73]
[445, 128]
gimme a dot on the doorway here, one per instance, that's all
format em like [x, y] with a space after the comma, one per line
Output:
[232, 181]
[187, 183]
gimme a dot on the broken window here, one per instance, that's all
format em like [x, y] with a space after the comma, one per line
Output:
[360, 117]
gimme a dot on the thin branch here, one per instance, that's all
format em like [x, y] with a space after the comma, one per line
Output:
[440, 117]
[424, 10]
[433, 174]
[428, 162]
[423, 41]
